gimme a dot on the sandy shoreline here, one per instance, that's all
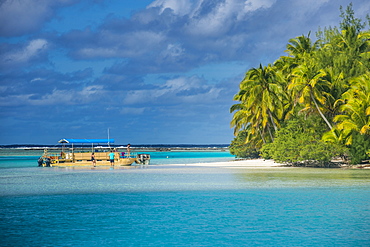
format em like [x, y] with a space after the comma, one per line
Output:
[254, 163]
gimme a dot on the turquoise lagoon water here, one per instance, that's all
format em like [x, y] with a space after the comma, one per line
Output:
[10, 158]
[178, 205]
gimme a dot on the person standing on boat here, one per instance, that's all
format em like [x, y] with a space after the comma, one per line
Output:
[128, 150]
[93, 159]
[40, 161]
[111, 158]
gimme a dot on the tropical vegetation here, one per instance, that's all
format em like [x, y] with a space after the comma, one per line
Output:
[312, 105]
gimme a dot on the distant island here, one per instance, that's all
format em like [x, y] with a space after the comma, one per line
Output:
[155, 147]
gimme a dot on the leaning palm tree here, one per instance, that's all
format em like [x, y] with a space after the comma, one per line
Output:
[239, 120]
[260, 95]
[248, 120]
[309, 87]
[268, 92]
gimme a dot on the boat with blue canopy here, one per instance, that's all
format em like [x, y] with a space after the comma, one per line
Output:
[89, 152]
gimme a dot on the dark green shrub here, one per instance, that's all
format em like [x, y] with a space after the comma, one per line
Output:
[359, 148]
[300, 142]
[240, 149]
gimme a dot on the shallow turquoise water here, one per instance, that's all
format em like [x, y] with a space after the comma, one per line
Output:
[178, 205]
[186, 157]
[262, 217]
[157, 158]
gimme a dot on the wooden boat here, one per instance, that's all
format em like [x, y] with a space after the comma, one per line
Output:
[82, 156]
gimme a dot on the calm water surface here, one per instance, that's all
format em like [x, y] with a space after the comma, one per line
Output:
[164, 205]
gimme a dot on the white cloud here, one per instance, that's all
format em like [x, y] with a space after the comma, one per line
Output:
[25, 54]
[179, 7]
[193, 8]
[37, 79]
[223, 15]
[182, 83]
[111, 44]
[253, 5]
[14, 100]
[213, 23]
[173, 50]
[55, 97]
[89, 91]
[179, 90]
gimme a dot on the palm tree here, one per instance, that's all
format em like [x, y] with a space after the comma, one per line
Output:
[244, 119]
[301, 46]
[352, 52]
[239, 120]
[337, 87]
[356, 109]
[267, 94]
[309, 87]
[261, 102]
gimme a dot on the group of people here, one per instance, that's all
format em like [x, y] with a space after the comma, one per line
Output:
[111, 155]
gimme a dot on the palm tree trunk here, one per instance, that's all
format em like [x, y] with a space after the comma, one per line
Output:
[272, 137]
[318, 109]
[272, 120]
[261, 134]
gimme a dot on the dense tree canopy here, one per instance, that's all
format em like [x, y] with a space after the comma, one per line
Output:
[327, 79]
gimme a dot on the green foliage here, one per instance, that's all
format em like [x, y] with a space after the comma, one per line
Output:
[327, 80]
[349, 20]
[299, 142]
[359, 150]
[239, 148]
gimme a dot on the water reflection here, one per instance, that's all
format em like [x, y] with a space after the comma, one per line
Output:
[302, 177]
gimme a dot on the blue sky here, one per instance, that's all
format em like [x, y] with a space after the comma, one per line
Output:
[151, 72]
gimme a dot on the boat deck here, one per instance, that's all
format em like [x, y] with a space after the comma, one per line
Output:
[69, 163]
[84, 159]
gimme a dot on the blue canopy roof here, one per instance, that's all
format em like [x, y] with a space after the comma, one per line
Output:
[86, 141]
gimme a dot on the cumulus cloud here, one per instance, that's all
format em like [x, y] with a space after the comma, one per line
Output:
[197, 8]
[108, 43]
[46, 87]
[176, 36]
[15, 55]
[211, 17]
[179, 7]
[55, 97]
[252, 5]
[182, 90]
[32, 49]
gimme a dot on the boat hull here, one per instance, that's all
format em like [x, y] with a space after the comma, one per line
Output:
[73, 157]
[121, 162]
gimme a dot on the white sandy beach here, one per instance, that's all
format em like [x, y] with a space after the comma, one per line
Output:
[245, 164]
[254, 163]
